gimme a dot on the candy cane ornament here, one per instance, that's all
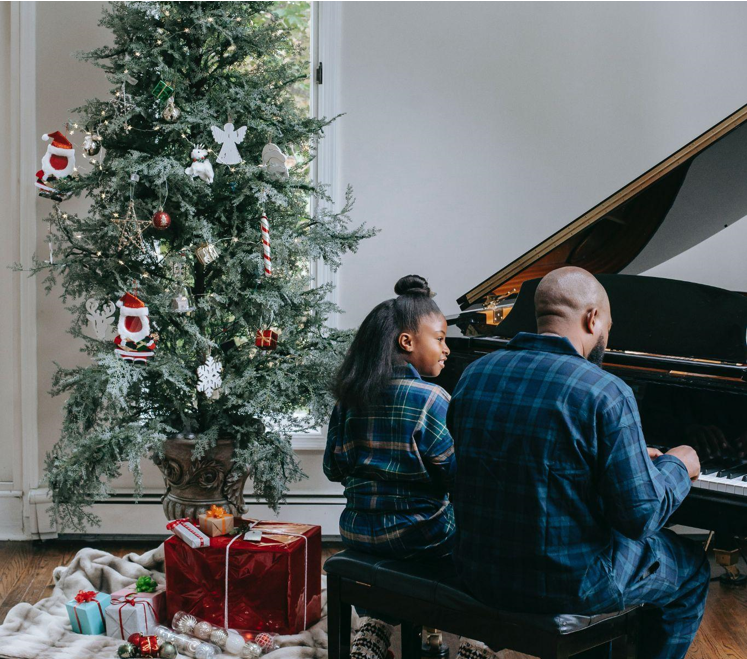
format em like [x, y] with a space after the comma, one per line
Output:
[266, 244]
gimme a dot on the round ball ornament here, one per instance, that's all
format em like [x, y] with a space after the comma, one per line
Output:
[205, 651]
[203, 630]
[91, 145]
[161, 219]
[168, 651]
[219, 637]
[171, 113]
[134, 639]
[181, 640]
[251, 651]
[127, 651]
[265, 641]
[184, 623]
[234, 643]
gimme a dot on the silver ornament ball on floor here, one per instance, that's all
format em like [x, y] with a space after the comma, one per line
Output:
[127, 651]
[204, 651]
[203, 630]
[251, 651]
[184, 622]
[168, 651]
[234, 643]
[219, 637]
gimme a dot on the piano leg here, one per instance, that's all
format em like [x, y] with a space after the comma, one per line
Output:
[726, 550]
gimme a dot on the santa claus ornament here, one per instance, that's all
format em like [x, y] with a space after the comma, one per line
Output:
[134, 341]
[57, 163]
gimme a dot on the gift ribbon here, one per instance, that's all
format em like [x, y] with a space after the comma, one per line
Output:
[84, 597]
[186, 523]
[132, 599]
[215, 511]
[272, 531]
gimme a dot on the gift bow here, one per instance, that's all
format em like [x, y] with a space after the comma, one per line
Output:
[84, 596]
[216, 512]
[177, 522]
[146, 584]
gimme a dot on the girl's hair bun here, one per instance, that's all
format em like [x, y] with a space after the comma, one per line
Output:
[412, 285]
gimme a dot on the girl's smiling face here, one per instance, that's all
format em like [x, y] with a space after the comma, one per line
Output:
[426, 349]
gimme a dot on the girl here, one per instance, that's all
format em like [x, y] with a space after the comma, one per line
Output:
[388, 442]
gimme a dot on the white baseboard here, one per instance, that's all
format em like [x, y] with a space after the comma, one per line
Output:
[122, 516]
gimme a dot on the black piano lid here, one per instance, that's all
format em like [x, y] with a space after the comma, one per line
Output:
[677, 204]
[658, 317]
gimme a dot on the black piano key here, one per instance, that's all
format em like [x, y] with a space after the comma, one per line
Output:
[733, 472]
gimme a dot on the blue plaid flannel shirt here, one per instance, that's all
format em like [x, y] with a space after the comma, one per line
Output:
[397, 464]
[553, 478]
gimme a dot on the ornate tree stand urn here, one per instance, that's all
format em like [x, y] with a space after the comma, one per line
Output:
[192, 486]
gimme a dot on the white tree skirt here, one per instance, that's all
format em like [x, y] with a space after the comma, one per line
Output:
[42, 630]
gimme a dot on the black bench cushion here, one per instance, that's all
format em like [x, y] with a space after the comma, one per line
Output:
[436, 582]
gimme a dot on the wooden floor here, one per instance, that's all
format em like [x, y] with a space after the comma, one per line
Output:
[26, 576]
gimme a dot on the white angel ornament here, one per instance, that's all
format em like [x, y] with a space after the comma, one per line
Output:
[229, 138]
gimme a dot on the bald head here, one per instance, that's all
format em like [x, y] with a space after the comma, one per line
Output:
[572, 303]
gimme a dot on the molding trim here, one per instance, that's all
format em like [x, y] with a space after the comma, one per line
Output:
[326, 35]
[23, 148]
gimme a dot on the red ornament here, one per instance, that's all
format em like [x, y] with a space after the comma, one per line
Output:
[134, 639]
[148, 646]
[265, 641]
[266, 339]
[161, 219]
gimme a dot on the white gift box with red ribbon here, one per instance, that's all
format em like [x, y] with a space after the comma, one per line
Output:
[131, 612]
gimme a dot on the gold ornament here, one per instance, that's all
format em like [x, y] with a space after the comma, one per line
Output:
[206, 253]
[131, 229]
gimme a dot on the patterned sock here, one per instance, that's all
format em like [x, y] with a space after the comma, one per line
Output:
[372, 640]
[469, 649]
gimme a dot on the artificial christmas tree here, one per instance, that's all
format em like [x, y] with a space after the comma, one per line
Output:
[178, 70]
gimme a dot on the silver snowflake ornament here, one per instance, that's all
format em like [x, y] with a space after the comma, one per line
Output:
[209, 376]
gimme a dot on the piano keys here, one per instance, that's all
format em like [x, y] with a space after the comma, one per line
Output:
[680, 345]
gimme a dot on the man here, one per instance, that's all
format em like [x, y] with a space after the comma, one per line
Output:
[559, 504]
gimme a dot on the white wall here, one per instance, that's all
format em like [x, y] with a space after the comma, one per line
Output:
[476, 129]
[472, 131]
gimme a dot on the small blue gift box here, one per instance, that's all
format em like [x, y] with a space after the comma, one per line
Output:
[86, 612]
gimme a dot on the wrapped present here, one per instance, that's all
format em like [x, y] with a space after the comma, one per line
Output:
[188, 532]
[216, 521]
[266, 339]
[162, 90]
[136, 611]
[272, 583]
[86, 612]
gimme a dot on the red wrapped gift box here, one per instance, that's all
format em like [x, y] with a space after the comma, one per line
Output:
[274, 584]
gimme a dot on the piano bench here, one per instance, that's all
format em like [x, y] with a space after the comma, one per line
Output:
[427, 593]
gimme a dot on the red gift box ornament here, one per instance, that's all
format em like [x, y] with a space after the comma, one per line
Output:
[149, 646]
[267, 339]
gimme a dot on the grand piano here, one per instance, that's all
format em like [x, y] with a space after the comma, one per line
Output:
[681, 346]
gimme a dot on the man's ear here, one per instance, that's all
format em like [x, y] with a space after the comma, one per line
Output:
[591, 320]
[405, 342]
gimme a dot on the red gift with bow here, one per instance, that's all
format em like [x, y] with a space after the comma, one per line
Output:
[272, 584]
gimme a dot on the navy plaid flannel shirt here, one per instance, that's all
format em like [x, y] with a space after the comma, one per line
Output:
[553, 477]
[397, 464]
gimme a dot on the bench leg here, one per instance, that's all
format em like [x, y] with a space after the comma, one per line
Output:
[412, 645]
[338, 620]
